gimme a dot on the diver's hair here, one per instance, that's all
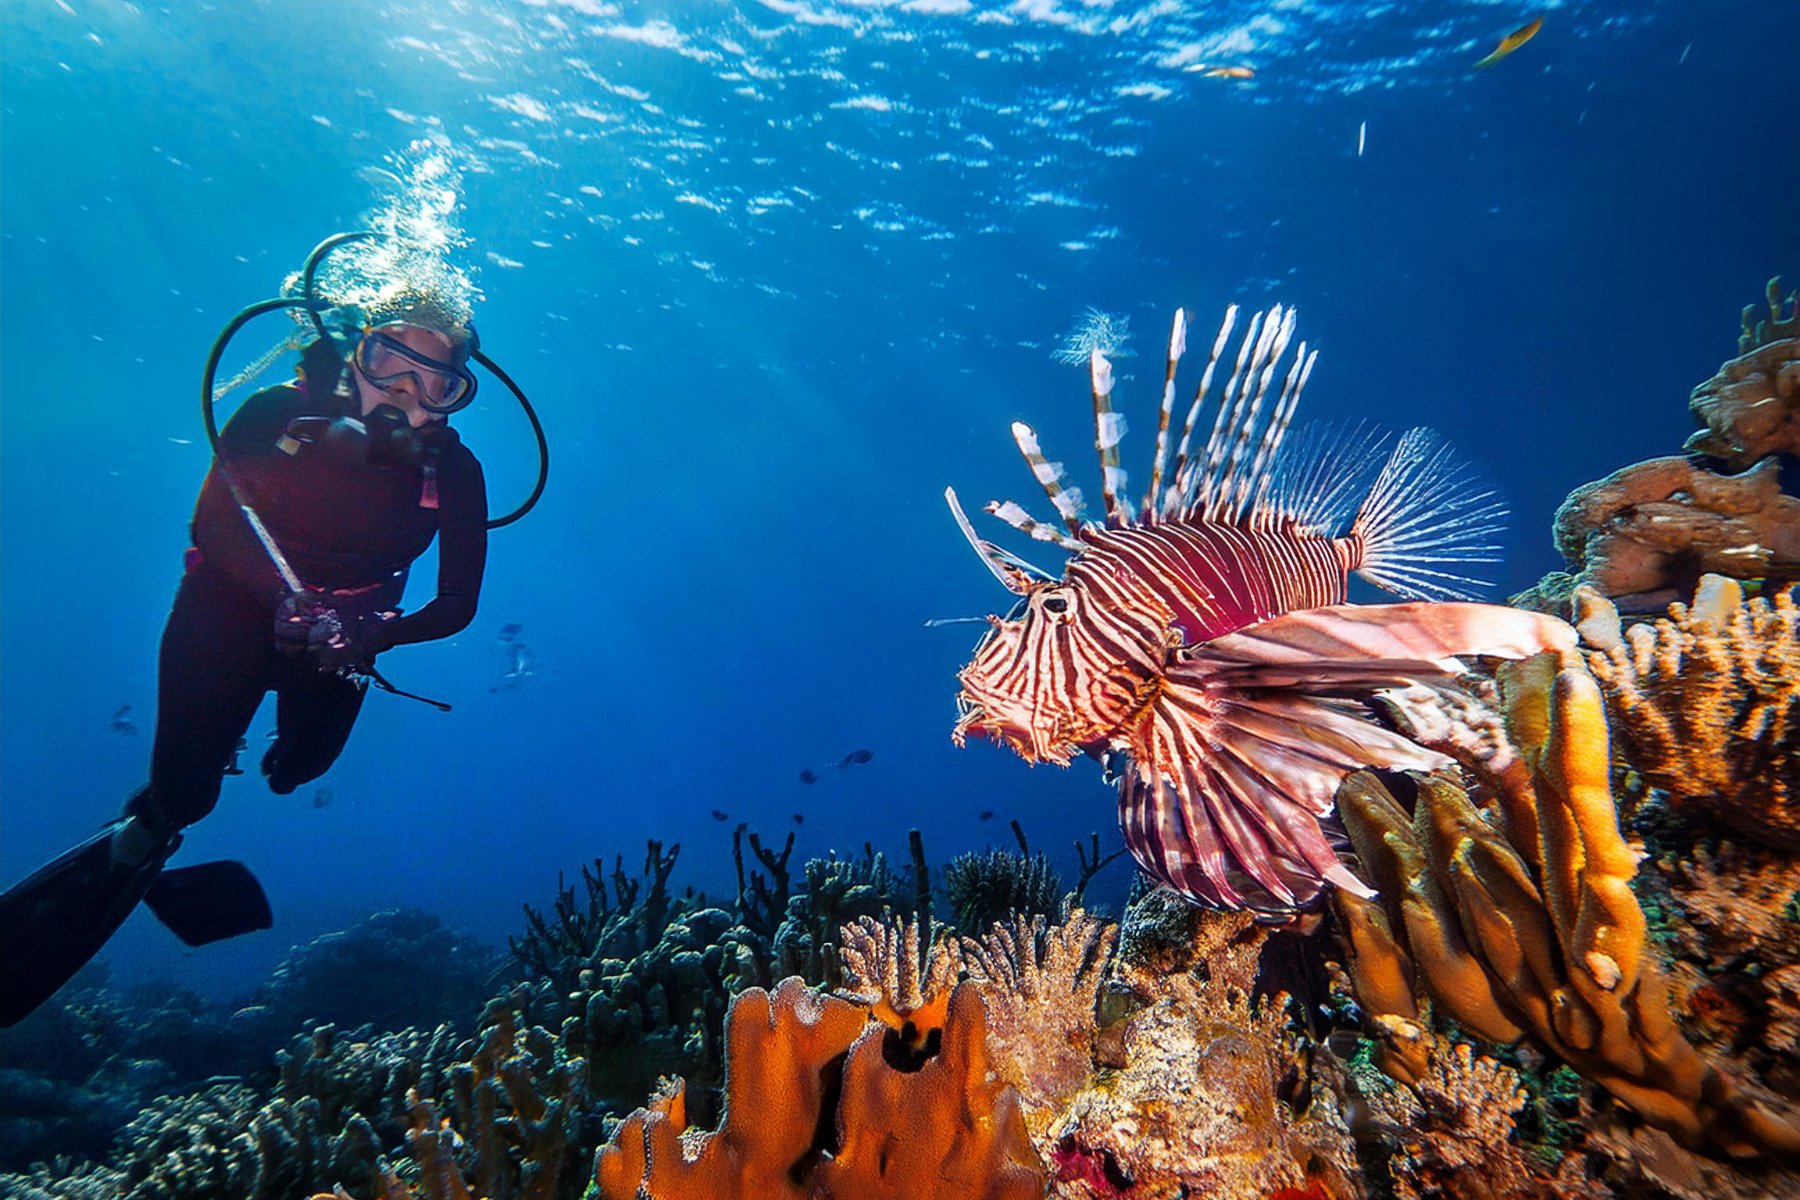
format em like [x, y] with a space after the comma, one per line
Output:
[420, 307]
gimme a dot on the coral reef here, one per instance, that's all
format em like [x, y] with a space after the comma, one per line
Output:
[83, 1064]
[1041, 986]
[1523, 920]
[1751, 408]
[1454, 1133]
[992, 885]
[1650, 530]
[1206, 1092]
[814, 1110]
[905, 983]
[1705, 704]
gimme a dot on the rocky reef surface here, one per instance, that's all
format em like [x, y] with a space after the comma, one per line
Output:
[1580, 976]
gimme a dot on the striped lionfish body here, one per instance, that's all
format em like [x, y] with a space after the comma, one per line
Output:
[1200, 642]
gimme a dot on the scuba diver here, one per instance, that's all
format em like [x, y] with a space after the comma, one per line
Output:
[321, 494]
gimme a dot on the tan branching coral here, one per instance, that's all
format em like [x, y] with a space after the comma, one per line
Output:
[1041, 986]
[1659, 524]
[1706, 705]
[1523, 919]
[800, 1064]
[1210, 1096]
[903, 982]
[503, 1132]
[1455, 1132]
[1751, 408]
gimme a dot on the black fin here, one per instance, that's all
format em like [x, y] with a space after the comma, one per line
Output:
[209, 902]
[55, 920]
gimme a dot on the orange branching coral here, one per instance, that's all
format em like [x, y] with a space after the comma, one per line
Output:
[1658, 524]
[1209, 1095]
[814, 1110]
[784, 1054]
[1523, 919]
[1041, 986]
[1751, 408]
[1706, 705]
[1455, 1131]
[903, 982]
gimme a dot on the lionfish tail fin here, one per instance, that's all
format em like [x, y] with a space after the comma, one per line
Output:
[1426, 514]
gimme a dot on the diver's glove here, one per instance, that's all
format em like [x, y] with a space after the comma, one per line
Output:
[301, 624]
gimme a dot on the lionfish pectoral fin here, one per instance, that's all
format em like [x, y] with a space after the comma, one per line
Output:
[1348, 644]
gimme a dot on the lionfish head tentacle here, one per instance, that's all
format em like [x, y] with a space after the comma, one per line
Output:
[1011, 577]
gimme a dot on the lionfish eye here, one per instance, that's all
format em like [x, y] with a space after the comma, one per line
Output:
[1056, 604]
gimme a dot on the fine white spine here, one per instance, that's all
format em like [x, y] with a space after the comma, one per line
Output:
[1201, 496]
[1183, 467]
[1427, 511]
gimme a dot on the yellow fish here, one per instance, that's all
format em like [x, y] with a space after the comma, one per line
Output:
[1511, 42]
[1230, 73]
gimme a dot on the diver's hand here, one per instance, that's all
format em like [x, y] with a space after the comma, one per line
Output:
[352, 644]
[304, 626]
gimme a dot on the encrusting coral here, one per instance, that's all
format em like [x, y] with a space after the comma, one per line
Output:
[1751, 408]
[1653, 528]
[1041, 986]
[1206, 1091]
[1705, 703]
[1523, 920]
[813, 1110]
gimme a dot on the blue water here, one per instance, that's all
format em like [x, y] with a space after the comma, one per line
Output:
[775, 274]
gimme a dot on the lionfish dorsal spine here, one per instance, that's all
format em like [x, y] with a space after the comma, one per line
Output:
[1260, 481]
[1177, 347]
[1173, 500]
[1230, 405]
[1109, 431]
[1241, 480]
[1066, 500]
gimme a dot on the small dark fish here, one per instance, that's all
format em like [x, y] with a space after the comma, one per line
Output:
[799, 818]
[808, 777]
[123, 722]
[321, 798]
[510, 631]
[987, 814]
[720, 816]
[854, 757]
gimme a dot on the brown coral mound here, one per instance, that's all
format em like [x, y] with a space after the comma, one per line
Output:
[1706, 705]
[1658, 525]
[1523, 919]
[1751, 408]
[814, 1110]
[1211, 1096]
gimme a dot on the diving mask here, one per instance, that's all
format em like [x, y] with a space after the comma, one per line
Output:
[443, 387]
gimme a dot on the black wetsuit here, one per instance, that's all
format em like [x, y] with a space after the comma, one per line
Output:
[350, 530]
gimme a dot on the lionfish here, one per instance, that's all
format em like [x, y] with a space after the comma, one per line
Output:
[1200, 645]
